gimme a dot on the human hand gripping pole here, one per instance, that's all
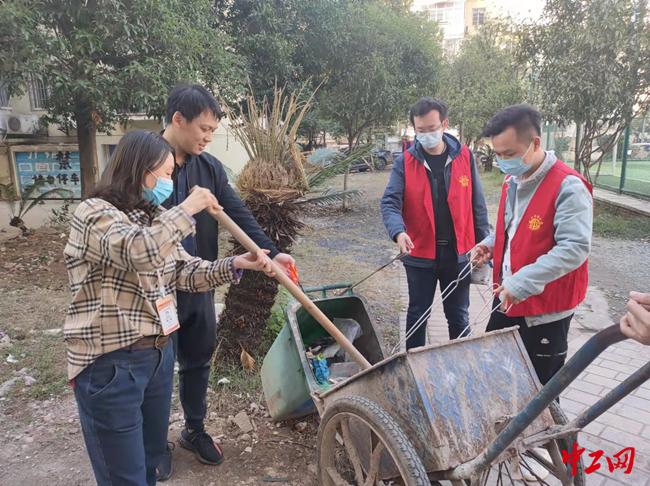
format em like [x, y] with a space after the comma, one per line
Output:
[293, 289]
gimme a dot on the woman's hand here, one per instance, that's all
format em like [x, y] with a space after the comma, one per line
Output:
[199, 199]
[259, 262]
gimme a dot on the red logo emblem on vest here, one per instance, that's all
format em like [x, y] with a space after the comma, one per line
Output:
[463, 180]
[535, 222]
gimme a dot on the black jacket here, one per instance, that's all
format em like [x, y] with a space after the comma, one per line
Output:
[206, 171]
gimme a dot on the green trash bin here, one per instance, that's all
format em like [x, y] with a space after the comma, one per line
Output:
[287, 378]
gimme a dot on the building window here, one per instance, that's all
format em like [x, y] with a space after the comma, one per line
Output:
[478, 16]
[4, 94]
[38, 94]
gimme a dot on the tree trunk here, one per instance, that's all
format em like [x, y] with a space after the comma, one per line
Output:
[347, 174]
[242, 323]
[576, 150]
[87, 141]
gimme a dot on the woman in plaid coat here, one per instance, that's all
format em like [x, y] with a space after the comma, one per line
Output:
[125, 263]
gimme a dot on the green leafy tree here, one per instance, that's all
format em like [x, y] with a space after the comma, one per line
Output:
[315, 127]
[589, 64]
[480, 80]
[104, 59]
[377, 61]
[270, 37]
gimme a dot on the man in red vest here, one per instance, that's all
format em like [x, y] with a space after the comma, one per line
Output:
[434, 209]
[541, 242]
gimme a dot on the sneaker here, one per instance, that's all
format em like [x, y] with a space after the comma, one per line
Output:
[202, 445]
[164, 469]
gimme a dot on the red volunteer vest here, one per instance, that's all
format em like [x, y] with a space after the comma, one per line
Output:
[417, 209]
[533, 238]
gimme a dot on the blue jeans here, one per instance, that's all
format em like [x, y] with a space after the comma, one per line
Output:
[124, 399]
[422, 286]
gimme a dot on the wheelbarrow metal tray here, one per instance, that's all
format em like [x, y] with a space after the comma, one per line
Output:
[450, 399]
[287, 377]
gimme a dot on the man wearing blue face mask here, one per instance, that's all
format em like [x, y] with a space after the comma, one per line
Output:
[434, 209]
[541, 242]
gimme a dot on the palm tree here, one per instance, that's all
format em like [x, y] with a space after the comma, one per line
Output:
[33, 195]
[273, 184]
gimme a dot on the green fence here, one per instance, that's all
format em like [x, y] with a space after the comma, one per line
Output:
[625, 168]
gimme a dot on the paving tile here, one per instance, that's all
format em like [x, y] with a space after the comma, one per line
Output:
[633, 413]
[636, 402]
[587, 387]
[599, 380]
[603, 371]
[581, 397]
[624, 439]
[622, 423]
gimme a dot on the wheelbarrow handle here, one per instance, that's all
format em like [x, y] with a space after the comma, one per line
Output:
[293, 289]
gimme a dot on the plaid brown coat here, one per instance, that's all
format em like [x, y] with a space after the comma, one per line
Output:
[115, 262]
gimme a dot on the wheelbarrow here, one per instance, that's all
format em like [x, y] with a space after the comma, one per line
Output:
[462, 411]
[467, 410]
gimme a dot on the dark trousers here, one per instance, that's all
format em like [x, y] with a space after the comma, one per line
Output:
[124, 399]
[546, 344]
[422, 287]
[194, 344]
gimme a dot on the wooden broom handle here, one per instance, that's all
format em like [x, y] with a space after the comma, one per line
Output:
[293, 289]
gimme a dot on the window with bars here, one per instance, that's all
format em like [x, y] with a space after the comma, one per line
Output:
[38, 94]
[478, 16]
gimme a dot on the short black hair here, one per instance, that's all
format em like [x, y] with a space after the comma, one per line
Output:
[427, 104]
[191, 100]
[522, 117]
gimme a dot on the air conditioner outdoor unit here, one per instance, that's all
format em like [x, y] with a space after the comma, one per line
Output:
[20, 124]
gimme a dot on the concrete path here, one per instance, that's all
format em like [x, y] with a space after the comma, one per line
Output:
[623, 201]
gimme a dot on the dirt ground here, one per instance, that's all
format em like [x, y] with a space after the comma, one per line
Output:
[40, 437]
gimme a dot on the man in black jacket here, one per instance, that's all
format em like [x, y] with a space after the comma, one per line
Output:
[191, 118]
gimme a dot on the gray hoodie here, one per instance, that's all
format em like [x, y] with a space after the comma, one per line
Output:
[572, 222]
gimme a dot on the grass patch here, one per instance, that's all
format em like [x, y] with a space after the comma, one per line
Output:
[610, 222]
[633, 185]
[492, 182]
[44, 358]
[246, 385]
[276, 321]
[243, 387]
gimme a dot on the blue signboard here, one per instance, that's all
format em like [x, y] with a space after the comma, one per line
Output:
[54, 169]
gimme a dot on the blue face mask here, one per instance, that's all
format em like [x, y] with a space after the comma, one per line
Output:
[160, 192]
[514, 166]
[430, 140]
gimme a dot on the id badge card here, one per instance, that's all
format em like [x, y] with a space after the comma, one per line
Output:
[168, 315]
[166, 310]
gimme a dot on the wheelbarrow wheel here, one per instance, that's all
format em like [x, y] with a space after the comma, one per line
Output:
[360, 444]
[541, 465]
